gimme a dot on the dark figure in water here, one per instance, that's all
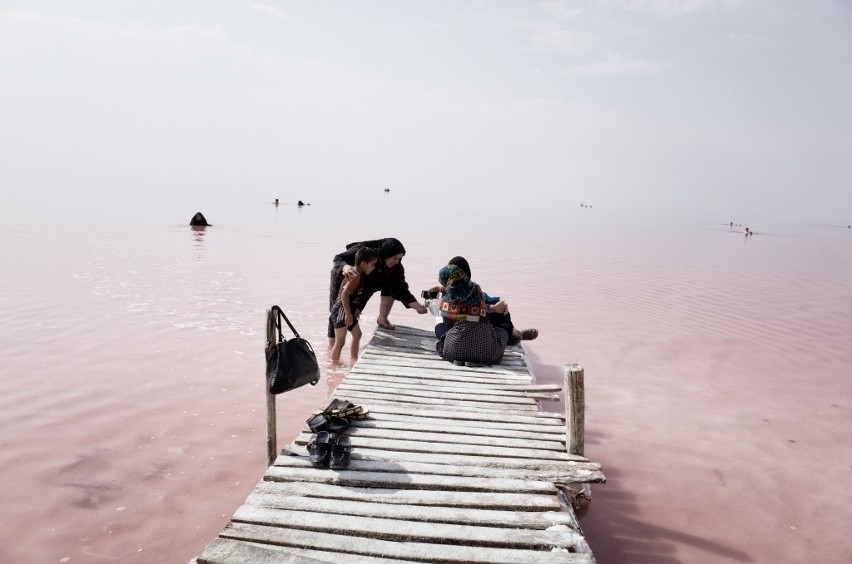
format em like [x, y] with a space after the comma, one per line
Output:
[276, 201]
[301, 203]
[199, 220]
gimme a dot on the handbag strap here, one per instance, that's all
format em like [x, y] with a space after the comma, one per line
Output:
[278, 314]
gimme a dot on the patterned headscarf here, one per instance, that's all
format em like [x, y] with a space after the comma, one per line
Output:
[461, 262]
[463, 300]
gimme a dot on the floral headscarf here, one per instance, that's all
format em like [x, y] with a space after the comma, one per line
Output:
[463, 300]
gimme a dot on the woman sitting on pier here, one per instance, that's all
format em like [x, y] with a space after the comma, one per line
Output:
[471, 338]
[498, 311]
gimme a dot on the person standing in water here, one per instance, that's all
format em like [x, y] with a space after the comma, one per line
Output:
[388, 278]
[347, 308]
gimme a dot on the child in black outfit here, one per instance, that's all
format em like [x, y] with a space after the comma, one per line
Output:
[347, 308]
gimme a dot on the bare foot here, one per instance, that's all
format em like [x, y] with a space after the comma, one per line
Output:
[386, 324]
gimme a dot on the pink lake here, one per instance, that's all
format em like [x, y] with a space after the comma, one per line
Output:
[717, 370]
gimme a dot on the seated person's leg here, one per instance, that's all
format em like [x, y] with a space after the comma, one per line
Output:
[442, 328]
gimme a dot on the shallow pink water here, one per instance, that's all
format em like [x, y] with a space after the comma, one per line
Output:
[717, 373]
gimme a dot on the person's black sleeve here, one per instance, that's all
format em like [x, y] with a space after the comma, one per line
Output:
[399, 287]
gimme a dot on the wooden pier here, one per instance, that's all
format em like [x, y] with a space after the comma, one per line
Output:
[453, 464]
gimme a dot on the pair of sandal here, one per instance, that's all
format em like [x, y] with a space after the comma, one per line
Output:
[329, 451]
[336, 416]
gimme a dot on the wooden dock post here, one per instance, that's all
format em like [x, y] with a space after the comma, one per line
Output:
[579, 495]
[271, 430]
[575, 410]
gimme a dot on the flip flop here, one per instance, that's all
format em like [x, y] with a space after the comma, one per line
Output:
[336, 404]
[352, 412]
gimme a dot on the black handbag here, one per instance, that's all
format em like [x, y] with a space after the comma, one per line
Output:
[290, 363]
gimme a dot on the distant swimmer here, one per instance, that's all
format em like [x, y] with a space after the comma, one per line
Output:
[276, 201]
[387, 189]
[199, 220]
[301, 203]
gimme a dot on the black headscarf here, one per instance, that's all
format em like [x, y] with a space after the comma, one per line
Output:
[390, 247]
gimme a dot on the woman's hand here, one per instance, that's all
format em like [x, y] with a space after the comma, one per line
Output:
[347, 319]
[349, 271]
[500, 307]
[418, 307]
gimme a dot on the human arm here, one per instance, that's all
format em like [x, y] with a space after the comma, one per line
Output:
[499, 307]
[393, 284]
[417, 306]
[347, 257]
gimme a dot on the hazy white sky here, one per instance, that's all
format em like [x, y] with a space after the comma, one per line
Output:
[729, 107]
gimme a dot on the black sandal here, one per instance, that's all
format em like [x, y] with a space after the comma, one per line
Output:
[319, 449]
[341, 453]
[330, 423]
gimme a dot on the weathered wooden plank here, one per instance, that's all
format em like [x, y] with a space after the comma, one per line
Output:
[382, 404]
[561, 472]
[415, 402]
[449, 448]
[373, 453]
[383, 383]
[535, 417]
[385, 373]
[445, 374]
[379, 415]
[355, 478]
[430, 386]
[509, 372]
[456, 438]
[390, 373]
[460, 515]
[454, 427]
[484, 500]
[426, 552]
[443, 380]
[419, 391]
[230, 551]
[406, 530]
